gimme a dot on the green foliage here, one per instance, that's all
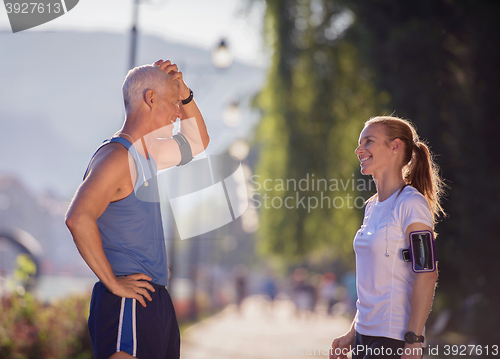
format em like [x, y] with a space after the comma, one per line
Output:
[30, 329]
[25, 267]
[314, 104]
[23, 273]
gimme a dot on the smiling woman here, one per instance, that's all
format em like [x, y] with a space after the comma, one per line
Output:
[394, 299]
[397, 147]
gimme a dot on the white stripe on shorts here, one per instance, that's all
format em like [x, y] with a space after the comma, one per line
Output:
[133, 327]
[120, 325]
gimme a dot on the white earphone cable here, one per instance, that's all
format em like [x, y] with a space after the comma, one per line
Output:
[138, 159]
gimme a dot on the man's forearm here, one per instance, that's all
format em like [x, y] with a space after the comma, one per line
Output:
[88, 242]
[195, 131]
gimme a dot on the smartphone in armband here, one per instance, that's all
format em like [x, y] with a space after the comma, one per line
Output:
[422, 252]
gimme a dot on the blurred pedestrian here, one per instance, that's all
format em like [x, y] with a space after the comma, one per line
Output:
[303, 293]
[270, 290]
[349, 282]
[328, 291]
[269, 286]
[240, 272]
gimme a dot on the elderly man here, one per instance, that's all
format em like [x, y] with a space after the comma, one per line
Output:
[115, 215]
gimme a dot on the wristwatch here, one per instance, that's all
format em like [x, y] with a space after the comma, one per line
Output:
[188, 100]
[411, 338]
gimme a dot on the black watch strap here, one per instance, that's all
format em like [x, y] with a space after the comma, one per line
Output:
[411, 338]
[189, 99]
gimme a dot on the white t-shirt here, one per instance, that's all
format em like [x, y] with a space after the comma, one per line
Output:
[385, 284]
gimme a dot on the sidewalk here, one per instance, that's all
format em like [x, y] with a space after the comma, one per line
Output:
[262, 332]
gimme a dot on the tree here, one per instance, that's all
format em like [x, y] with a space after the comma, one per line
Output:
[315, 102]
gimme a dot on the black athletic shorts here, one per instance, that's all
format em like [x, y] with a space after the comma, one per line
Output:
[369, 347]
[121, 324]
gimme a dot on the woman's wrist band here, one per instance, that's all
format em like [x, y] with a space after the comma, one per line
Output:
[189, 99]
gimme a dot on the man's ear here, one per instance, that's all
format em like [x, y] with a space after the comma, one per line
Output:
[150, 98]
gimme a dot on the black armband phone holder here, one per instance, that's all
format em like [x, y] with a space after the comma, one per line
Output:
[422, 252]
[185, 148]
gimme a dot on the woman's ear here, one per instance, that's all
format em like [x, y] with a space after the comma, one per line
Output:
[396, 145]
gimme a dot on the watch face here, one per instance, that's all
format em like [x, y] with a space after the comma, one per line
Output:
[410, 338]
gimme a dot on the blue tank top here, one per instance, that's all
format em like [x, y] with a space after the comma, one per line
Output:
[131, 229]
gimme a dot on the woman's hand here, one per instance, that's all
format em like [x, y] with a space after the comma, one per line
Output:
[341, 346]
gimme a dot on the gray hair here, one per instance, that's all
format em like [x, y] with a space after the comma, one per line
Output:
[139, 80]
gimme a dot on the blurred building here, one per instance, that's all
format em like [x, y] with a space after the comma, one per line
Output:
[42, 216]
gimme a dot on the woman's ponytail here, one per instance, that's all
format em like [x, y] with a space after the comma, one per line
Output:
[423, 174]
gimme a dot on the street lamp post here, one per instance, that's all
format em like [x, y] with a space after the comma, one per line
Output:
[133, 34]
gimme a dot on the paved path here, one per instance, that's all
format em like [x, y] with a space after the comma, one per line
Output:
[259, 331]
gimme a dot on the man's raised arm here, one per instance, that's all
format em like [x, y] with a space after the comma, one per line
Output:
[192, 124]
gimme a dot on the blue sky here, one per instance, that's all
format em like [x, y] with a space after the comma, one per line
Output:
[192, 22]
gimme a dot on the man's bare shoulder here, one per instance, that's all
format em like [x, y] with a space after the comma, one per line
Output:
[108, 180]
[109, 174]
[110, 161]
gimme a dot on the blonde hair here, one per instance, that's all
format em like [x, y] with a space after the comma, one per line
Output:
[419, 168]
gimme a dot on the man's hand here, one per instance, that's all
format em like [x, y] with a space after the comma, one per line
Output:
[133, 286]
[172, 69]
